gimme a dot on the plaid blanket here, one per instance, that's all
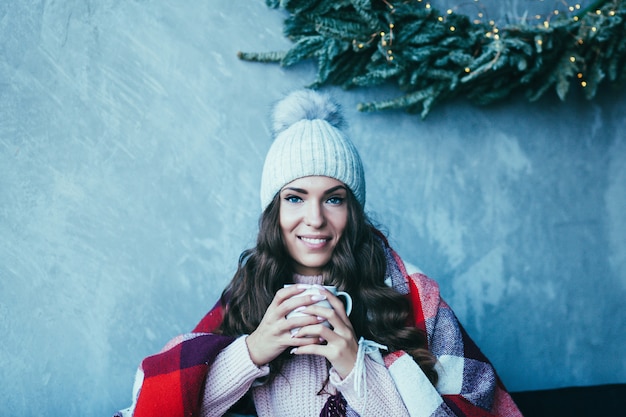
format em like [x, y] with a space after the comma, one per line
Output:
[171, 382]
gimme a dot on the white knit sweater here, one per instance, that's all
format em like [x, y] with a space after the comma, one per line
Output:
[300, 390]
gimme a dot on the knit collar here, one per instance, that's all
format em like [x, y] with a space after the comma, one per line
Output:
[308, 279]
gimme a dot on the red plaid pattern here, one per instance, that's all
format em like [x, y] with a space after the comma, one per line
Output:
[173, 380]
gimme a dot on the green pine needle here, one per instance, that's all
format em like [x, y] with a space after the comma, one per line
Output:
[433, 56]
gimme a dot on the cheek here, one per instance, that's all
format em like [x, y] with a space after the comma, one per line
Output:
[339, 223]
[287, 222]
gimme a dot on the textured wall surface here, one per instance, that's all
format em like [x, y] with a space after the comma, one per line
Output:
[131, 144]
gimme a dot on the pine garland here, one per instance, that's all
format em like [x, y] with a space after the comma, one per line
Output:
[434, 56]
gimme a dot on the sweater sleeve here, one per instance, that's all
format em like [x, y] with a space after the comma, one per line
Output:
[381, 398]
[229, 378]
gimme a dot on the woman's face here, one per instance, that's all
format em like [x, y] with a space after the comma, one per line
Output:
[313, 216]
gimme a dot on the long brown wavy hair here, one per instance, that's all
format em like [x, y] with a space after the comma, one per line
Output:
[358, 266]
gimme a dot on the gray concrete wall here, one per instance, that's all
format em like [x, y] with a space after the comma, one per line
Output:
[131, 144]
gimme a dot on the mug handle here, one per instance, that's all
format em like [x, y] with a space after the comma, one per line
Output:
[348, 301]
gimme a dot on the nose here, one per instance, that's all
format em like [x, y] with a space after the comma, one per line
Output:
[314, 216]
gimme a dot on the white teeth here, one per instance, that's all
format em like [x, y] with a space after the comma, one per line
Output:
[313, 241]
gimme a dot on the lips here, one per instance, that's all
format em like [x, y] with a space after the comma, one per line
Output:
[314, 242]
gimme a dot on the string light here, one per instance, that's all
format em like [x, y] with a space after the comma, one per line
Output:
[544, 21]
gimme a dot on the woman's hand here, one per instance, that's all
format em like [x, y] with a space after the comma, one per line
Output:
[273, 335]
[341, 346]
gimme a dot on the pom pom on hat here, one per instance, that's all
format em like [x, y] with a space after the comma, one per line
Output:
[308, 140]
[305, 105]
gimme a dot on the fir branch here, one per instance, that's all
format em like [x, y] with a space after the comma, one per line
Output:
[275, 56]
[434, 57]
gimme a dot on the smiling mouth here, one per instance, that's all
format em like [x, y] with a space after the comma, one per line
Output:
[313, 241]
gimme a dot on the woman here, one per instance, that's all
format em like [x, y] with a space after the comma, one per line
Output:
[250, 356]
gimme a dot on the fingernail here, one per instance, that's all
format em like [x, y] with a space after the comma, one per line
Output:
[318, 297]
[320, 318]
[303, 286]
[299, 309]
[293, 351]
[321, 339]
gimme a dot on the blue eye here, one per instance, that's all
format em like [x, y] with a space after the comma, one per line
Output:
[335, 200]
[293, 199]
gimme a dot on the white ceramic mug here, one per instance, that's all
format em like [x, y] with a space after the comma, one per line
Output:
[313, 290]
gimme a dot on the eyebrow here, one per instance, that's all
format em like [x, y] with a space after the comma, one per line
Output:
[303, 191]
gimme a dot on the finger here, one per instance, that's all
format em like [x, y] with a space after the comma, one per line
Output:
[299, 301]
[298, 322]
[340, 323]
[336, 304]
[330, 344]
[287, 299]
[289, 292]
[309, 335]
[342, 357]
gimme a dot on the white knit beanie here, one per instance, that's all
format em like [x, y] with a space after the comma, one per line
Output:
[309, 141]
